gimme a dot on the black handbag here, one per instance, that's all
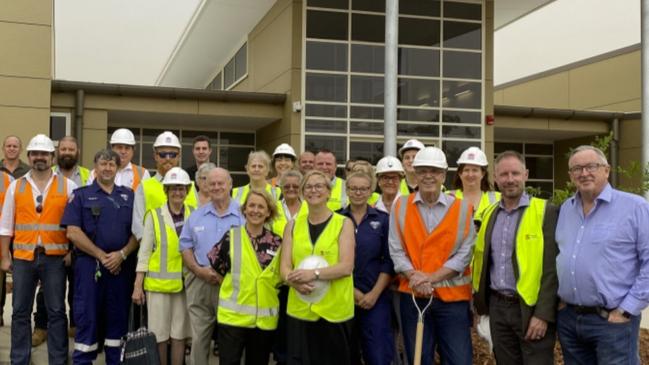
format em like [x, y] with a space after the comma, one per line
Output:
[139, 346]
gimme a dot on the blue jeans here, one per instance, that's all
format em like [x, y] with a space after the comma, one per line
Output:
[591, 339]
[51, 272]
[447, 326]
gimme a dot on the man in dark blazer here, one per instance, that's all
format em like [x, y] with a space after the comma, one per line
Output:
[514, 272]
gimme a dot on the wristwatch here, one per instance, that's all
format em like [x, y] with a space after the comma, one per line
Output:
[317, 274]
[624, 313]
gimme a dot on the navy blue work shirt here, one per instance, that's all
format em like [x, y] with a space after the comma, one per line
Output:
[372, 255]
[104, 218]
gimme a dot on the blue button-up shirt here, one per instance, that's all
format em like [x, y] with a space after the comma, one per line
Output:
[604, 256]
[205, 228]
[104, 218]
[372, 253]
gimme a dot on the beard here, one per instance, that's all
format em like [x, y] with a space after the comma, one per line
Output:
[40, 165]
[67, 162]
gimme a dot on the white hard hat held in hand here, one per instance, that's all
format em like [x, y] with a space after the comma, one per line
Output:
[321, 286]
[473, 156]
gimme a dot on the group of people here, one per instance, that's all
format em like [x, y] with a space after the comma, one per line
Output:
[311, 268]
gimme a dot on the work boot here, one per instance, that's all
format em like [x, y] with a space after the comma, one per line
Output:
[39, 336]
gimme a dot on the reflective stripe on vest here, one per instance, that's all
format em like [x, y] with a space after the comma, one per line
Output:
[529, 250]
[338, 303]
[418, 244]
[248, 296]
[138, 172]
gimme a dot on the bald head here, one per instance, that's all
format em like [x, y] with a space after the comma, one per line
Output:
[219, 183]
[11, 147]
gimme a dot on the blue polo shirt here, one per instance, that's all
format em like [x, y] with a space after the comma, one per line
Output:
[104, 218]
[205, 228]
[372, 255]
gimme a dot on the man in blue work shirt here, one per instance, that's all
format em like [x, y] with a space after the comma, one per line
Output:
[204, 228]
[603, 266]
[98, 222]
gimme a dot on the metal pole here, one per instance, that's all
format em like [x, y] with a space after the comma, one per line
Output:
[644, 36]
[390, 83]
[613, 151]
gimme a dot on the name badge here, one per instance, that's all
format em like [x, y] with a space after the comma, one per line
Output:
[199, 229]
[271, 252]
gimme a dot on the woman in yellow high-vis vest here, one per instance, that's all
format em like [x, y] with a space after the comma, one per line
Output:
[321, 296]
[248, 260]
[159, 268]
[257, 168]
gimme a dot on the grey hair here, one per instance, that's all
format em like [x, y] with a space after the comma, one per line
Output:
[290, 173]
[586, 147]
[204, 170]
[107, 155]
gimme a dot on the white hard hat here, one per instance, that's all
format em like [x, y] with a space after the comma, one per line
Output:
[321, 286]
[123, 136]
[166, 139]
[389, 164]
[473, 156]
[40, 142]
[430, 156]
[176, 176]
[411, 144]
[284, 149]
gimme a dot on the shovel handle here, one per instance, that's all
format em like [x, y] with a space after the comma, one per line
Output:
[418, 342]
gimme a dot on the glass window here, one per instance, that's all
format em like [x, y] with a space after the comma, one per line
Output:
[462, 10]
[326, 87]
[418, 62]
[456, 131]
[453, 116]
[418, 92]
[326, 25]
[326, 56]
[421, 115]
[368, 28]
[188, 136]
[463, 65]
[372, 151]
[325, 126]
[239, 178]
[369, 5]
[337, 145]
[508, 146]
[326, 110]
[367, 89]
[241, 62]
[366, 128]
[58, 127]
[461, 94]
[419, 7]
[419, 32]
[237, 138]
[228, 74]
[366, 112]
[187, 158]
[234, 158]
[216, 82]
[462, 35]
[539, 149]
[335, 4]
[147, 156]
[419, 129]
[149, 135]
[540, 167]
[366, 58]
[453, 150]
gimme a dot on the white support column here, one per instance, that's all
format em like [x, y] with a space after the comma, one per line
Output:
[390, 80]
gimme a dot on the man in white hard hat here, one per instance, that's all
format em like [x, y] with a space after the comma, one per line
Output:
[32, 213]
[122, 142]
[202, 151]
[407, 153]
[431, 239]
[325, 162]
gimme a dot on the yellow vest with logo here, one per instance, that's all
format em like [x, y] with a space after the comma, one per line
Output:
[249, 296]
[487, 199]
[338, 303]
[155, 197]
[338, 198]
[529, 250]
[241, 193]
[165, 273]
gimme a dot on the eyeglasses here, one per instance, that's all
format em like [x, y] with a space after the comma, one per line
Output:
[316, 187]
[39, 207]
[590, 168]
[168, 154]
[291, 187]
[357, 190]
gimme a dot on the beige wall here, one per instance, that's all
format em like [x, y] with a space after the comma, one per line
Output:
[25, 67]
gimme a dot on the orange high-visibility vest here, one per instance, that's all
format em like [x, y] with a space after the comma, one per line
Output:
[29, 225]
[429, 252]
[138, 171]
[4, 185]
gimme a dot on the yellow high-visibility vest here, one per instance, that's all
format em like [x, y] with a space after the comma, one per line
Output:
[241, 193]
[155, 197]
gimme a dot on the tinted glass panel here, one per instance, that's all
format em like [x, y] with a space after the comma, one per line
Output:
[419, 7]
[336, 4]
[366, 128]
[240, 62]
[462, 10]
[454, 149]
[228, 74]
[367, 58]
[147, 156]
[369, 5]
[462, 35]
[366, 112]
[216, 83]
[149, 135]
[337, 145]
[188, 136]
[331, 126]
[366, 89]
[326, 87]
[321, 110]
[423, 115]
[187, 158]
[239, 179]
[539, 149]
[540, 167]
[508, 146]
[238, 138]
[464, 65]
[418, 62]
[423, 130]
[372, 151]
[418, 92]
[452, 116]
[57, 127]
[326, 24]
[326, 56]
[368, 28]
[461, 94]
[234, 158]
[419, 32]
[455, 131]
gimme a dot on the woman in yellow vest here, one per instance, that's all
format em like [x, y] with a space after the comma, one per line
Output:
[257, 168]
[248, 259]
[291, 204]
[159, 268]
[471, 181]
[317, 263]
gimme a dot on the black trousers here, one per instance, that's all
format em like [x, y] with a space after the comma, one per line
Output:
[319, 343]
[233, 341]
[508, 336]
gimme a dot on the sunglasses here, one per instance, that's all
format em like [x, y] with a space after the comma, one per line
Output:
[167, 154]
[39, 207]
